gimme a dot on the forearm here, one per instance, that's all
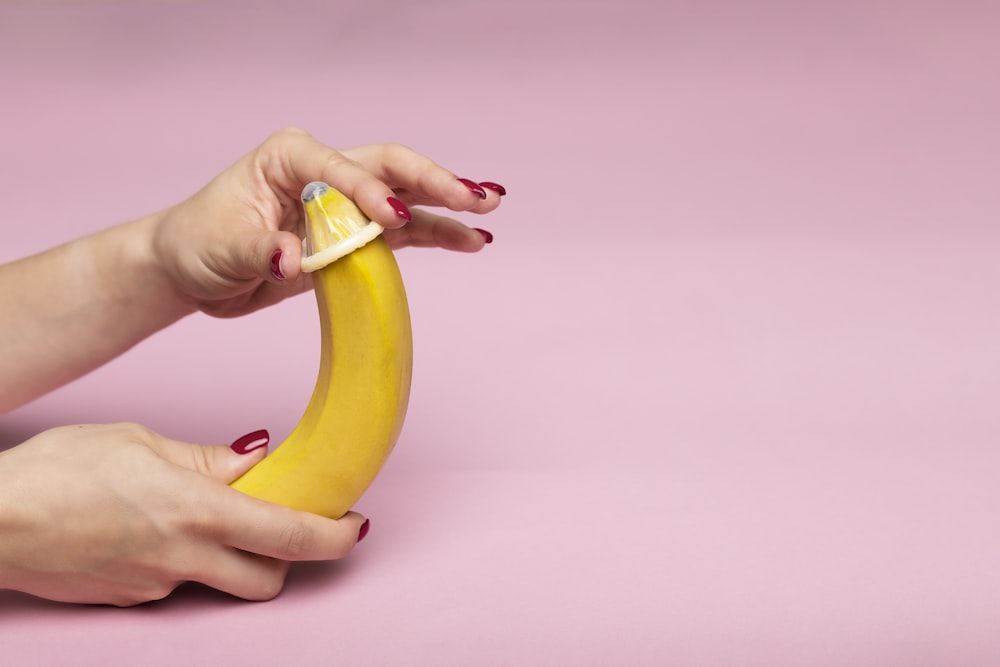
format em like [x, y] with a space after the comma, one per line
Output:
[67, 311]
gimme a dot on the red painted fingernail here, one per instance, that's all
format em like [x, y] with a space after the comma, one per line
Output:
[400, 208]
[251, 441]
[363, 530]
[496, 187]
[486, 235]
[472, 185]
[276, 265]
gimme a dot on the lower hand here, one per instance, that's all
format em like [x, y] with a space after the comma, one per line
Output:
[118, 514]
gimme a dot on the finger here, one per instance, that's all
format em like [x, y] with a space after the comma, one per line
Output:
[293, 158]
[223, 464]
[272, 256]
[240, 573]
[434, 231]
[279, 532]
[418, 180]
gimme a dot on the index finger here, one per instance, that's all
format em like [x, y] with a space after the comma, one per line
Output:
[420, 180]
[272, 530]
[293, 158]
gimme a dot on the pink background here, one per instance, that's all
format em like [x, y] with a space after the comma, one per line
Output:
[722, 392]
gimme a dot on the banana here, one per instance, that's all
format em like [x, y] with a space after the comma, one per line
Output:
[359, 402]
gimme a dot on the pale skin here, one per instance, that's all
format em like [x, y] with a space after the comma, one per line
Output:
[118, 514]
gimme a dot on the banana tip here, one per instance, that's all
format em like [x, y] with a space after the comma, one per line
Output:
[313, 190]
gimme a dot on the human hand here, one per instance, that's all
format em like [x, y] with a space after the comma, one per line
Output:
[235, 246]
[117, 514]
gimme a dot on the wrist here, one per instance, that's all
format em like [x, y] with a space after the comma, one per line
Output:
[153, 271]
[133, 289]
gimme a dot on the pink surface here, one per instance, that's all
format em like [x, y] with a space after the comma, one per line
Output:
[723, 391]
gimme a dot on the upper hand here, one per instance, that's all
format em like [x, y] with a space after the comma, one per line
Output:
[235, 246]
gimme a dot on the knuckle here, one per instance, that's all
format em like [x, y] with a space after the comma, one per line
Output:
[159, 591]
[296, 540]
[141, 439]
[142, 595]
[394, 151]
[124, 601]
[201, 459]
[269, 586]
[337, 161]
[258, 252]
[277, 143]
[137, 432]
[288, 132]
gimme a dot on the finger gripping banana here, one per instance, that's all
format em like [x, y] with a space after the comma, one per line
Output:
[358, 405]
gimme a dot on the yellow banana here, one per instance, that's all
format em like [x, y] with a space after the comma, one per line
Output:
[359, 402]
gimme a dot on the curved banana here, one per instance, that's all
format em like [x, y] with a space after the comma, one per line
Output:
[359, 402]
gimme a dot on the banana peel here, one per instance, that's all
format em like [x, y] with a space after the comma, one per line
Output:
[358, 405]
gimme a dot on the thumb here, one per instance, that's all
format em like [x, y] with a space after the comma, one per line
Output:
[272, 256]
[224, 464]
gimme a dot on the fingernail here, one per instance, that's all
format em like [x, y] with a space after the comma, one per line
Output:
[363, 530]
[400, 208]
[472, 185]
[496, 187]
[486, 235]
[251, 441]
[276, 265]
